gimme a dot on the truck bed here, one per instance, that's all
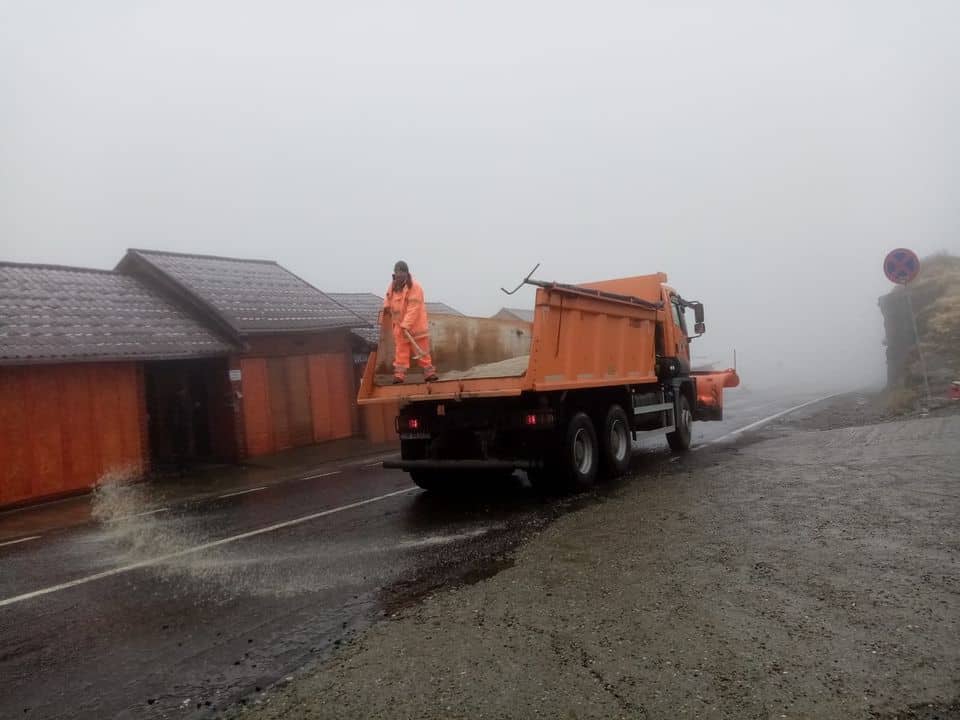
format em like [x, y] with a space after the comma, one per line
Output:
[580, 338]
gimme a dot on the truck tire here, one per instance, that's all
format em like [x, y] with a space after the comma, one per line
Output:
[616, 447]
[679, 439]
[579, 453]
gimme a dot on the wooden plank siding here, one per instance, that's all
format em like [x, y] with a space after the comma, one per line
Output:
[257, 419]
[296, 400]
[63, 427]
[331, 382]
[298, 390]
[378, 422]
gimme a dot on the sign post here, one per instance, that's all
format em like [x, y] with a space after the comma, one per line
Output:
[901, 266]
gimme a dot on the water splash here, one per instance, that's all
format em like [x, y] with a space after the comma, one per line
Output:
[124, 506]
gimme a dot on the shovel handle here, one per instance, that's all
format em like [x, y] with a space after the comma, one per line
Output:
[418, 352]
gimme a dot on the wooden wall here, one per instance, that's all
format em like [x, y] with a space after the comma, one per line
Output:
[378, 423]
[291, 400]
[63, 426]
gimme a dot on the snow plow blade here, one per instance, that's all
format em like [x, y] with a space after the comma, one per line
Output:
[710, 385]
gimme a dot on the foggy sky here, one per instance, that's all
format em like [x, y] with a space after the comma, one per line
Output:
[766, 155]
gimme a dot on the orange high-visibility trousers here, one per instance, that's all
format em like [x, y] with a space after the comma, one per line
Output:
[404, 351]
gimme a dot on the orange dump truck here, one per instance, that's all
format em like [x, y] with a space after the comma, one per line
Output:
[560, 398]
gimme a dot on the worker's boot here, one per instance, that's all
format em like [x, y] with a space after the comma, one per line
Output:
[399, 379]
[431, 377]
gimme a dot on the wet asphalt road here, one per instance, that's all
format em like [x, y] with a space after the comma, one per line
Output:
[212, 627]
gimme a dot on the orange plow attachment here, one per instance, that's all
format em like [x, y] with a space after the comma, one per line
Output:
[710, 385]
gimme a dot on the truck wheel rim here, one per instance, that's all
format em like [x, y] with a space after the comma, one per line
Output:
[618, 440]
[685, 420]
[582, 452]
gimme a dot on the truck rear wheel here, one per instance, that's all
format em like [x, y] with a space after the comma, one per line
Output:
[573, 463]
[580, 453]
[679, 439]
[616, 446]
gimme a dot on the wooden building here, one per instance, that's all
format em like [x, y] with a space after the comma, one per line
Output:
[168, 360]
[76, 348]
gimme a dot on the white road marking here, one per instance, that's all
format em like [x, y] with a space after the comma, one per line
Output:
[243, 492]
[150, 512]
[14, 542]
[764, 421]
[378, 458]
[139, 514]
[199, 548]
[321, 475]
[378, 463]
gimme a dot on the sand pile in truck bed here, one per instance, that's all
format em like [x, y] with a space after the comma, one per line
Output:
[512, 367]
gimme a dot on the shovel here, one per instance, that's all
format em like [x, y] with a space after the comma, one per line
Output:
[417, 351]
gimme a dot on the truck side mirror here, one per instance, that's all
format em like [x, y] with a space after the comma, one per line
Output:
[699, 327]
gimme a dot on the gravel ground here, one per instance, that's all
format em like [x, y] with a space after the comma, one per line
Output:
[811, 570]
[857, 409]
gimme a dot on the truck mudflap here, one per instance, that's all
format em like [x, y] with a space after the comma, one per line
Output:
[709, 389]
[455, 465]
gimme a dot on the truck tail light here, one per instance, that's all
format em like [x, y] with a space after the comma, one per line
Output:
[413, 424]
[539, 419]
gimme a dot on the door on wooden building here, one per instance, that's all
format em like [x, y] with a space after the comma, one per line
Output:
[189, 410]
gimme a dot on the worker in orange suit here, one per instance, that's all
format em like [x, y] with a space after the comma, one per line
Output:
[404, 307]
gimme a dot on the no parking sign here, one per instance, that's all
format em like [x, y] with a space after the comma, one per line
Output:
[901, 266]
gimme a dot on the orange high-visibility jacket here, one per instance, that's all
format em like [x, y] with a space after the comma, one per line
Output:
[407, 309]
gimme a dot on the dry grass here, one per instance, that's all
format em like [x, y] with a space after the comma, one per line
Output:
[942, 317]
[901, 400]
